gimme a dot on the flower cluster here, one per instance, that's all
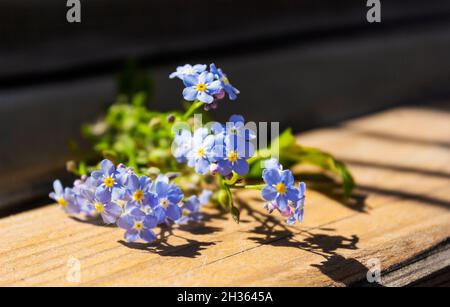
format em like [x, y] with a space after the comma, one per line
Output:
[281, 193]
[135, 203]
[206, 86]
[222, 149]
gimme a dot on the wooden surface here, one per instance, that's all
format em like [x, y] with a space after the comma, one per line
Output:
[401, 160]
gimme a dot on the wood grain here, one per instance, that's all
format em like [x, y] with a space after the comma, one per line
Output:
[401, 162]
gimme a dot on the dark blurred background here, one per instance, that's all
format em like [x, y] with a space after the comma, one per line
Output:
[305, 63]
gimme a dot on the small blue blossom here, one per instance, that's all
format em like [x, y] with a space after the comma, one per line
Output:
[123, 173]
[202, 151]
[182, 145]
[168, 197]
[273, 164]
[279, 188]
[138, 193]
[107, 177]
[299, 209]
[226, 85]
[65, 198]
[187, 70]
[235, 155]
[138, 225]
[235, 126]
[191, 207]
[101, 204]
[201, 87]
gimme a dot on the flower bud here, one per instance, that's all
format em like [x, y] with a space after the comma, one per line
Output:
[155, 122]
[223, 198]
[213, 168]
[171, 118]
[71, 166]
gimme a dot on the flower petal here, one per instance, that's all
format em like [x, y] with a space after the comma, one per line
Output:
[147, 235]
[57, 186]
[107, 167]
[241, 167]
[204, 97]
[269, 193]
[131, 235]
[271, 176]
[173, 212]
[190, 93]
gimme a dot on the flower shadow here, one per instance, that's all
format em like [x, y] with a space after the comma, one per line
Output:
[191, 249]
[96, 221]
[271, 231]
[328, 186]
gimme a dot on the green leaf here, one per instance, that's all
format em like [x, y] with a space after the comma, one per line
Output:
[235, 213]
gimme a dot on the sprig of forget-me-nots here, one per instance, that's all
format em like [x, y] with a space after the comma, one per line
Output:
[137, 203]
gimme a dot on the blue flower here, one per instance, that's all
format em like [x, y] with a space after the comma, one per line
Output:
[101, 204]
[191, 207]
[168, 197]
[299, 209]
[65, 198]
[201, 87]
[182, 145]
[138, 193]
[235, 126]
[107, 176]
[273, 164]
[123, 173]
[202, 151]
[138, 226]
[226, 85]
[235, 155]
[187, 70]
[279, 188]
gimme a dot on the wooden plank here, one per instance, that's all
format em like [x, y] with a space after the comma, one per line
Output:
[404, 172]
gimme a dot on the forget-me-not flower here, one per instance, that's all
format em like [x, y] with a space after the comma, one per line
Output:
[279, 188]
[101, 204]
[138, 192]
[187, 70]
[166, 204]
[226, 85]
[201, 87]
[138, 225]
[107, 176]
[235, 155]
[202, 152]
[299, 210]
[182, 145]
[191, 207]
[65, 198]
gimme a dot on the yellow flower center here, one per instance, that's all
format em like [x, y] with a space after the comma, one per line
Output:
[201, 87]
[138, 195]
[201, 152]
[99, 207]
[281, 188]
[138, 225]
[185, 212]
[62, 201]
[109, 182]
[232, 156]
[164, 202]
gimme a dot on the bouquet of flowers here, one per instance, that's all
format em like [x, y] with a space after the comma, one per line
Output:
[162, 167]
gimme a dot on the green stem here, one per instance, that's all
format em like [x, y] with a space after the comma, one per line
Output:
[250, 186]
[194, 106]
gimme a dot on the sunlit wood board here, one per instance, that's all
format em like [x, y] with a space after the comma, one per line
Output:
[400, 212]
